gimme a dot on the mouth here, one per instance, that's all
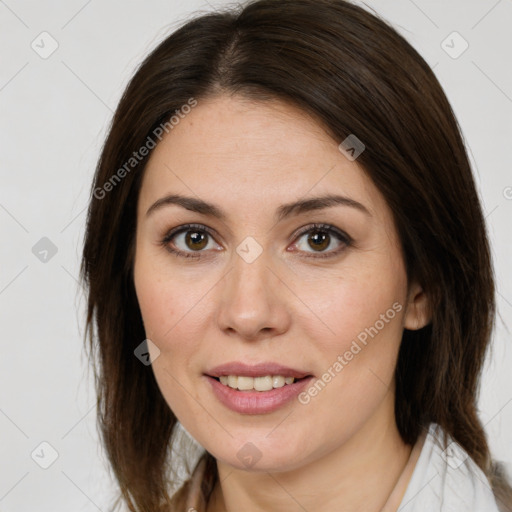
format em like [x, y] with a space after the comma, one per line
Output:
[245, 394]
[263, 376]
[260, 384]
[256, 389]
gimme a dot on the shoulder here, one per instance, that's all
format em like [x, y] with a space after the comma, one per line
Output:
[446, 479]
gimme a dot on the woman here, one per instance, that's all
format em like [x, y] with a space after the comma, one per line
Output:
[286, 255]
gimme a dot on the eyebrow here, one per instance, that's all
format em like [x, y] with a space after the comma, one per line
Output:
[284, 211]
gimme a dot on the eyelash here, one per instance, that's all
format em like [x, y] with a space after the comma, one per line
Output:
[327, 228]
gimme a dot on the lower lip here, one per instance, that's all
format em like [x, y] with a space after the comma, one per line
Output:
[256, 402]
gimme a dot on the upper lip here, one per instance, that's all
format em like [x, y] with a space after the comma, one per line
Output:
[256, 370]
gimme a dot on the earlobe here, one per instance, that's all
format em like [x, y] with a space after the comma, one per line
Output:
[418, 312]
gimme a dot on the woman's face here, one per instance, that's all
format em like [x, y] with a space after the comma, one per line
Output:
[262, 284]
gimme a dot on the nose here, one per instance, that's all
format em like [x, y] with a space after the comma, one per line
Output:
[252, 302]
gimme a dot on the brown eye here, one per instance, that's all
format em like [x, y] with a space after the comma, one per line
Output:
[188, 240]
[196, 240]
[319, 238]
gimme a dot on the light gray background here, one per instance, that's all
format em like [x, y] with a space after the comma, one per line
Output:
[54, 117]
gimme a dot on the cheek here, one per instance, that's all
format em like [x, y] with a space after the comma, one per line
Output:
[175, 309]
[163, 300]
[364, 310]
[363, 298]
[168, 313]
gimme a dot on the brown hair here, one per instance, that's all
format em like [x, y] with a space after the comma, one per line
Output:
[356, 75]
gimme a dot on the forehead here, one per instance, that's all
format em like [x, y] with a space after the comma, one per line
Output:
[244, 153]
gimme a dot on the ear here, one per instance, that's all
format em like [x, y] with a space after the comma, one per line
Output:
[417, 313]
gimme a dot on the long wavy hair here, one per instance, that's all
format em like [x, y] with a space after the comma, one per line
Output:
[354, 73]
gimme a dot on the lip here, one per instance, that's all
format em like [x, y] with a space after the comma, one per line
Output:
[257, 370]
[256, 402]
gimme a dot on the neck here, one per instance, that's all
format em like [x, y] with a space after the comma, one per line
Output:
[358, 476]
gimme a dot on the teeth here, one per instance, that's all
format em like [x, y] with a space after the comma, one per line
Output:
[266, 383]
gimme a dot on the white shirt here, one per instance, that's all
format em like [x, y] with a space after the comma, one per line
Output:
[446, 480]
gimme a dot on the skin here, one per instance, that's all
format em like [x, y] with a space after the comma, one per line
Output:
[342, 450]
